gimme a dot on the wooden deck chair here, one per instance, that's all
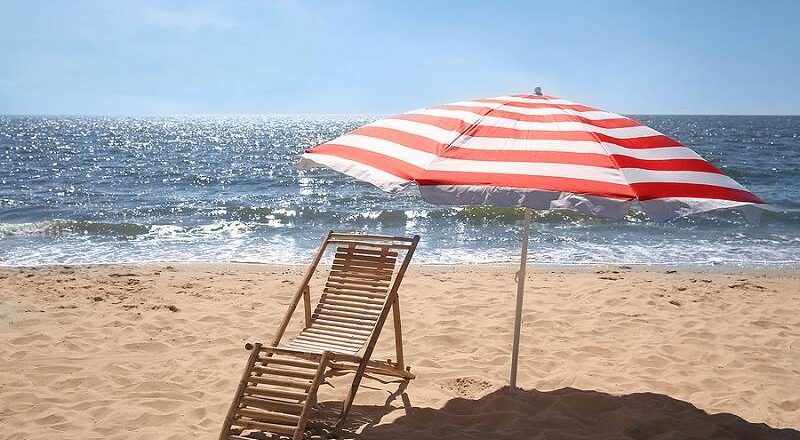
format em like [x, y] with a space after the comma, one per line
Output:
[277, 392]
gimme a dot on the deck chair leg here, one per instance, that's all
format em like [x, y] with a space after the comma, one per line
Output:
[398, 334]
[307, 305]
[351, 394]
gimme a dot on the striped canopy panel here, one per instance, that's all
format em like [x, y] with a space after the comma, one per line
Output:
[536, 151]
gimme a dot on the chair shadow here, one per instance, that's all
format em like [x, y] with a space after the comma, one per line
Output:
[567, 413]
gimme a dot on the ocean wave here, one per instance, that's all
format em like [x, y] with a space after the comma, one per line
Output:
[59, 228]
[468, 214]
[350, 212]
[236, 221]
[74, 228]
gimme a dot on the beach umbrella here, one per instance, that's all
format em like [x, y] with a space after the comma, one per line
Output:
[536, 152]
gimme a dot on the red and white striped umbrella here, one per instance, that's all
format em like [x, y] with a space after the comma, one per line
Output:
[533, 151]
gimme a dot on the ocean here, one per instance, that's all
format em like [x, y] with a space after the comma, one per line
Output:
[80, 190]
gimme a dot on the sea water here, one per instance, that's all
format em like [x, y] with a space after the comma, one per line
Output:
[227, 188]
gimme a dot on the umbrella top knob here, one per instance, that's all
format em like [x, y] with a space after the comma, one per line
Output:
[537, 91]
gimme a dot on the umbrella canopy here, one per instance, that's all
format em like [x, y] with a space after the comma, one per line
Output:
[533, 151]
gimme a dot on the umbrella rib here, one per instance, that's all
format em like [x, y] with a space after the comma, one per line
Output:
[462, 133]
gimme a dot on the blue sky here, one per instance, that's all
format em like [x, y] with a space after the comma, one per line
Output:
[148, 57]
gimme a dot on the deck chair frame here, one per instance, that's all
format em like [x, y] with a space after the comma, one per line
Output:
[362, 361]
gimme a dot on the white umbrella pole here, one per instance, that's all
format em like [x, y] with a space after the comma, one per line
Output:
[523, 263]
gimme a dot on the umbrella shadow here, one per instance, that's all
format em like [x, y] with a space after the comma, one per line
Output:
[566, 413]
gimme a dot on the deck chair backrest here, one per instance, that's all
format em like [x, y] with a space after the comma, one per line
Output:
[352, 301]
[363, 279]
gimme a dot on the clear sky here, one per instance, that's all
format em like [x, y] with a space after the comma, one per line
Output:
[201, 56]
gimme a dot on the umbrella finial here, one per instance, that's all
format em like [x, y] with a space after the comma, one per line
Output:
[537, 91]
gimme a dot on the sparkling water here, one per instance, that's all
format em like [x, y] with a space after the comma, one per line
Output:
[226, 188]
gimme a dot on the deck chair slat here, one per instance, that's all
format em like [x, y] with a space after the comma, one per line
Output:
[269, 416]
[356, 333]
[354, 312]
[308, 340]
[345, 287]
[362, 236]
[369, 252]
[362, 312]
[380, 250]
[368, 259]
[344, 317]
[339, 340]
[317, 339]
[359, 272]
[364, 265]
[341, 322]
[367, 244]
[273, 405]
[270, 360]
[318, 333]
[338, 328]
[353, 286]
[353, 280]
[331, 311]
[346, 301]
[338, 333]
[272, 392]
[341, 272]
[353, 298]
[322, 347]
[310, 334]
[283, 373]
[365, 253]
[354, 341]
[250, 424]
[359, 279]
[302, 385]
[343, 291]
[351, 301]
[362, 270]
[365, 262]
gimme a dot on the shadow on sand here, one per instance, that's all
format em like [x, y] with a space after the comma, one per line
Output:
[567, 413]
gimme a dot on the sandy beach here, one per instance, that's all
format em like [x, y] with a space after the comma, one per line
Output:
[155, 351]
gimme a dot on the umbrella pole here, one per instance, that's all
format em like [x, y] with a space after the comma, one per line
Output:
[523, 263]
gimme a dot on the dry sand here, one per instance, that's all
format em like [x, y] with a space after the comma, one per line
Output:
[155, 351]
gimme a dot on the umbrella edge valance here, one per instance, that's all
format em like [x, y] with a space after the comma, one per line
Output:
[660, 210]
